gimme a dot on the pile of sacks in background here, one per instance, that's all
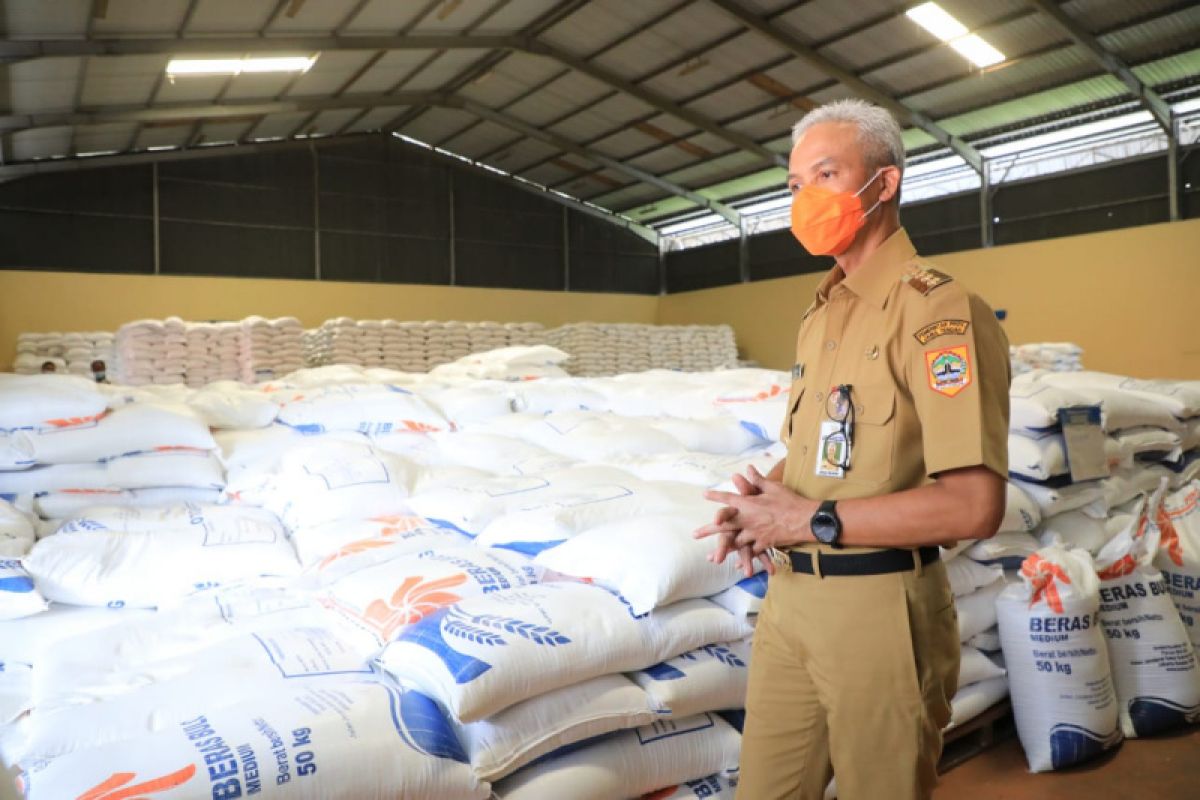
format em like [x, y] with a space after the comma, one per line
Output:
[68, 352]
[426, 584]
[1050, 356]
[616, 348]
[411, 346]
[172, 351]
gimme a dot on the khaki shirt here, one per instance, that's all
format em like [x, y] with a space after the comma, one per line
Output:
[929, 369]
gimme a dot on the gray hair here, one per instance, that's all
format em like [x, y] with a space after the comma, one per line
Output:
[878, 132]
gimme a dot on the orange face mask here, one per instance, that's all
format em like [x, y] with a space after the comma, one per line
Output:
[826, 221]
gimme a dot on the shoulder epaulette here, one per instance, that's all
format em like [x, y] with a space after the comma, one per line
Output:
[925, 279]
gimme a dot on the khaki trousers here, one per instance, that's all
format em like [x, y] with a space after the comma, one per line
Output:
[851, 676]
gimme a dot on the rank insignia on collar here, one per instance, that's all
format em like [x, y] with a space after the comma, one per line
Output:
[925, 279]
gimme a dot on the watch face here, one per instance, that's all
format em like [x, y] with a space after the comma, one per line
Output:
[824, 528]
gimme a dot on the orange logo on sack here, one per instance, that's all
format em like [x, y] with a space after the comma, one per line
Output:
[1042, 575]
[114, 788]
[394, 525]
[412, 601]
[72, 422]
[774, 391]
[1169, 543]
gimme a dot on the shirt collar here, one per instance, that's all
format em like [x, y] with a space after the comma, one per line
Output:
[875, 277]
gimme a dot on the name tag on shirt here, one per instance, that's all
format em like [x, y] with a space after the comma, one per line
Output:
[832, 451]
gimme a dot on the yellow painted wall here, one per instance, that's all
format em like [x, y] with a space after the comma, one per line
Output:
[1130, 298]
[62, 301]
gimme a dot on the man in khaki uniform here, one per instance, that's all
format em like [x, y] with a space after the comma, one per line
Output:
[897, 442]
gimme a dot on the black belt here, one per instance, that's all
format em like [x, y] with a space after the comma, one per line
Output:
[877, 563]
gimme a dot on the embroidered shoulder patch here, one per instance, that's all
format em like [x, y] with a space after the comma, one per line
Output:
[949, 370]
[925, 279]
[943, 327]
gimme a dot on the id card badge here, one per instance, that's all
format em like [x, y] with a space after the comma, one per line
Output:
[832, 451]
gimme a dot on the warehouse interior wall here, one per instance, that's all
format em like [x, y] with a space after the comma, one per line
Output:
[63, 301]
[1128, 297]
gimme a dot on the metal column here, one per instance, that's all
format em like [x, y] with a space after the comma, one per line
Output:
[743, 252]
[986, 231]
[566, 249]
[154, 211]
[453, 253]
[316, 167]
[1173, 196]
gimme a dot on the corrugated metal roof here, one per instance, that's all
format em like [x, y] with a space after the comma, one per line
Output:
[730, 82]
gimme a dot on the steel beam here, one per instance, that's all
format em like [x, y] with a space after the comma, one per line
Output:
[512, 123]
[850, 80]
[1158, 108]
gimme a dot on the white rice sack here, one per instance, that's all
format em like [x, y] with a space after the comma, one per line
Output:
[988, 641]
[745, 597]
[156, 470]
[966, 575]
[1179, 554]
[228, 405]
[502, 744]
[551, 395]
[713, 787]
[18, 595]
[1034, 405]
[719, 435]
[1088, 497]
[16, 451]
[324, 481]
[977, 610]
[671, 564]
[17, 533]
[102, 565]
[1180, 398]
[1153, 661]
[358, 740]
[1077, 529]
[974, 666]
[487, 653]
[469, 508]
[710, 678]
[384, 598]
[131, 429]
[468, 405]
[631, 763]
[16, 689]
[699, 469]
[1040, 459]
[590, 436]
[367, 408]
[48, 402]
[1020, 512]
[73, 502]
[972, 700]
[145, 696]
[499, 455]
[338, 547]
[1058, 671]
[1148, 444]
[548, 519]
[1006, 550]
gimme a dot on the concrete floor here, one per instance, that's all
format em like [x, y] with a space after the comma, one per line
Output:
[1162, 768]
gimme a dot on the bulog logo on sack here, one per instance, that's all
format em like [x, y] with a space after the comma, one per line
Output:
[1043, 576]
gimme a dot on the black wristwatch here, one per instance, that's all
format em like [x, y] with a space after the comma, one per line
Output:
[826, 525]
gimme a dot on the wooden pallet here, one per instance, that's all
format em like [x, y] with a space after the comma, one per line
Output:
[972, 738]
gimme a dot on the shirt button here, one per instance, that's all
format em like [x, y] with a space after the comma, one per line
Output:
[830, 344]
[820, 397]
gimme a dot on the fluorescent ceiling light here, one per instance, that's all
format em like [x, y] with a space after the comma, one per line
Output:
[236, 66]
[977, 51]
[937, 21]
[944, 26]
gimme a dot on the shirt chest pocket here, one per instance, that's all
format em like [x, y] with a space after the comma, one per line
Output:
[789, 416]
[873, 445]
